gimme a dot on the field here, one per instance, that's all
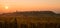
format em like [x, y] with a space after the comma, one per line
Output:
[24, 21]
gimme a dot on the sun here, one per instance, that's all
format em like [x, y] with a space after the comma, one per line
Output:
[6, 7]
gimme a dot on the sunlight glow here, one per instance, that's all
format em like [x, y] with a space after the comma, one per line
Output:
[6, 7]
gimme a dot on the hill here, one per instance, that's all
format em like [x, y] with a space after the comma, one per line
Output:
[33, 19]
[32, 13]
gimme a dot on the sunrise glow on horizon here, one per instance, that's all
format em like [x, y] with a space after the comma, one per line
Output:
[29, 5]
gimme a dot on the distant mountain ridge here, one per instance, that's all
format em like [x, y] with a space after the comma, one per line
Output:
[32, 13]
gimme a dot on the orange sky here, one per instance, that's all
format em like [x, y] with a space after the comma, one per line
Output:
[29, 5]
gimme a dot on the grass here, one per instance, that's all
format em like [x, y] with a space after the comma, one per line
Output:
[29, 22]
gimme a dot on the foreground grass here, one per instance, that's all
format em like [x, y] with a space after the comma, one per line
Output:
[29, 22]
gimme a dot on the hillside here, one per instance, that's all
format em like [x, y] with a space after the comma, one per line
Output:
[32, 19]
[32, 15]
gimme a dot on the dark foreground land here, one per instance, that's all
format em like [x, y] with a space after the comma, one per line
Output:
[34, 19]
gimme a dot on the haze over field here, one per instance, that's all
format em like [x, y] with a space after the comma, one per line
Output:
[29, 5]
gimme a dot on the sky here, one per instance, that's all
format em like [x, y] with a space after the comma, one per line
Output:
[29, 5]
